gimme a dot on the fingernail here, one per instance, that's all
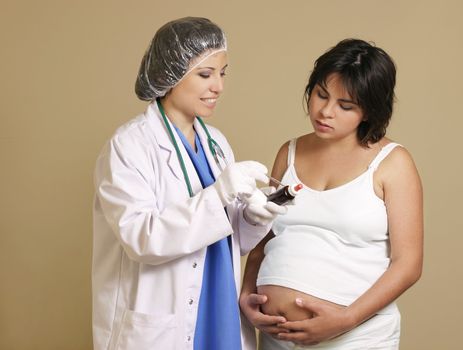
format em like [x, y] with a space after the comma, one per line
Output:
[299, 301]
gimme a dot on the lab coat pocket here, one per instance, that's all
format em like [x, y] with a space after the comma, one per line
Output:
[143, 331]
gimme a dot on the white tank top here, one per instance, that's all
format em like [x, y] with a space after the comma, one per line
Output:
[332, 244]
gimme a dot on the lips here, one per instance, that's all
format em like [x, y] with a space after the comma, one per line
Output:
[323, 124]
[210, 101]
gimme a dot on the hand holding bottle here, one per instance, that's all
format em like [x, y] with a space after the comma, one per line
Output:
[259, 211]
[239, 179]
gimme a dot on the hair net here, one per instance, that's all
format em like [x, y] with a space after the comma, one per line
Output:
[171, 52]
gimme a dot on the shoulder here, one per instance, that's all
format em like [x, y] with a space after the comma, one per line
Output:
[282, 154]
[136, 131]
[133, 128]
[398, 166]
[281, 160]
[130, 140]
[398, 156]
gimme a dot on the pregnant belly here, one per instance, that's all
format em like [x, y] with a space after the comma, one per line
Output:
[281, 302]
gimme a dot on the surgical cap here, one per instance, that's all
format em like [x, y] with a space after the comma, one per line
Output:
[170, 53]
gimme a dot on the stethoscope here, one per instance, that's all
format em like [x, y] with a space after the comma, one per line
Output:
[213, 147]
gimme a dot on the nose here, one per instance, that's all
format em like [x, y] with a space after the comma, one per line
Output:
[218, 84]
[328, 109]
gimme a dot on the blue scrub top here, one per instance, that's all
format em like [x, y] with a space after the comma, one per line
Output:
[218, 322]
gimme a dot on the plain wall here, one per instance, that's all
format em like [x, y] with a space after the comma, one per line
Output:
[67, 74]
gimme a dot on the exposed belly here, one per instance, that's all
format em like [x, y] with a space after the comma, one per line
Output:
[281, 301]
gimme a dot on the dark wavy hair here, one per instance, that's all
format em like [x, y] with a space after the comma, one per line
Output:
[368, 74]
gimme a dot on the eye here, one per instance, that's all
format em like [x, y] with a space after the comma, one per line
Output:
[204, 75]
[346, 107]
[222, 73]
[321, 95]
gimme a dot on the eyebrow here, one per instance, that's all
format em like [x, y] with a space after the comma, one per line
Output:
[212, 68]
[341, 99]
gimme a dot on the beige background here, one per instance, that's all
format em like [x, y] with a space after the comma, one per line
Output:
[67, 74]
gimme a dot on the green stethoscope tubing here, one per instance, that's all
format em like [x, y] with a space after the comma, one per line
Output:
[213, 146]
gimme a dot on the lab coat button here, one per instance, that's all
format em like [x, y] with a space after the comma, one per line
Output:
[190, 301]
[194, 265]
[188, 338]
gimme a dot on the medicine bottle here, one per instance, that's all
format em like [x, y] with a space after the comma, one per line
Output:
[284, 194]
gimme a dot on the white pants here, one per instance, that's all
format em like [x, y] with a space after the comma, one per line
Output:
[381, 332]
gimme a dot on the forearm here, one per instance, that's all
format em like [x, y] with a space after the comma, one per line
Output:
[251, 270]
[400, 276]
[253, 263]
[152, 237]
[330, 321]
[250, 301]
[249, 235]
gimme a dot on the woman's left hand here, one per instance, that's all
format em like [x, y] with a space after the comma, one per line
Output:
[328, 322]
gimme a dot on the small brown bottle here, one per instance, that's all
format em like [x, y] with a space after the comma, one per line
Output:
[284, 194]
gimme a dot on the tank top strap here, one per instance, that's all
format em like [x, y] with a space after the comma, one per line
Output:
[291, 151]
[383, 154]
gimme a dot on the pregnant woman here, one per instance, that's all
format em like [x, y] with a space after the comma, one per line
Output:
[327, 275]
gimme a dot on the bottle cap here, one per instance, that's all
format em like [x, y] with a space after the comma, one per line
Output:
[294, 189]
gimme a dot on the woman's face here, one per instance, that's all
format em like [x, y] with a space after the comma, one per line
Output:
[333, 112]
[197, 93]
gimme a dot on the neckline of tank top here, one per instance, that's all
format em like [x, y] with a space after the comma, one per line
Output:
[350, 182]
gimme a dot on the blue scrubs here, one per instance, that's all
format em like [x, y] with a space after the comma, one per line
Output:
[218, 322]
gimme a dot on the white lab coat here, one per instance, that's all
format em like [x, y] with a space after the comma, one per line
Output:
[150, 238]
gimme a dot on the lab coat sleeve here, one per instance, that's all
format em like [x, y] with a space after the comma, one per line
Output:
[125, 195]
[249, 235]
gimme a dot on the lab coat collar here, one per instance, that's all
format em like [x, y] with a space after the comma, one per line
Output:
[161, 134]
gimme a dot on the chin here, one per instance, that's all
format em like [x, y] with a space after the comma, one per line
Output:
[205, 113]
[324, 135]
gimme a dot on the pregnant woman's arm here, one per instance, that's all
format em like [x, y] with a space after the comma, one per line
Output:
[250, 301]
[402, 195]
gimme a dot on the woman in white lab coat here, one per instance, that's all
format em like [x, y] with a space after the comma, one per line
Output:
[172, 213]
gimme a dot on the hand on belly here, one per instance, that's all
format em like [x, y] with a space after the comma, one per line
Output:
[281, 302]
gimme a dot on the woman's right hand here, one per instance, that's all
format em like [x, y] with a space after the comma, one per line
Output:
[250, 306]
